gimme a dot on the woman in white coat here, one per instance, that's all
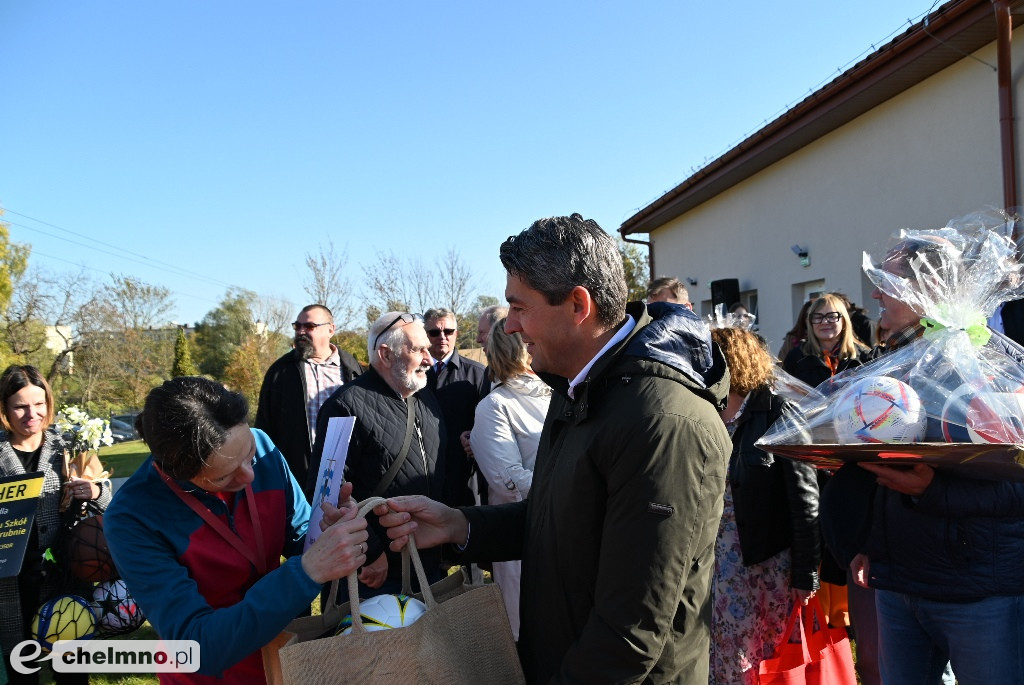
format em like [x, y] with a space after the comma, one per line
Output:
[505, 434]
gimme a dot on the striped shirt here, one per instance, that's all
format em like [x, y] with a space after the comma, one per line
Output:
[320, 379]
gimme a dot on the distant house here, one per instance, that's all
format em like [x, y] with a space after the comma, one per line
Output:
[57, 338]
[909, 137]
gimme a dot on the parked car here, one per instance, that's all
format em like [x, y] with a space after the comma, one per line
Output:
[122, 431]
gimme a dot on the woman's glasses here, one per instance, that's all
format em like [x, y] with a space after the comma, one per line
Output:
[827, 317]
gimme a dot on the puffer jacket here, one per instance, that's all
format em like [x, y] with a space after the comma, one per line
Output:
[776, 500]
[958, 541]
[617, 536]
[377, 439]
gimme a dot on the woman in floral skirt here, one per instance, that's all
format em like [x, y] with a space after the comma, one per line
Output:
[767, 552]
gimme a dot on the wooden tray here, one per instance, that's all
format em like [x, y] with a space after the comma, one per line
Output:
[984, 460]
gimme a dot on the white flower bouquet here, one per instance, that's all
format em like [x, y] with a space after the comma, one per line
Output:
[86, 434]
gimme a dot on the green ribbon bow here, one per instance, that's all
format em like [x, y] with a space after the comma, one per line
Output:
[977, 331]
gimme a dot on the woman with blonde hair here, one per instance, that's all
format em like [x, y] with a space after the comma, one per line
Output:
[767, 551]
[830, 347]
[506, 432]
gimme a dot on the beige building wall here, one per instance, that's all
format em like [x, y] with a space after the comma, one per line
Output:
[928, 155]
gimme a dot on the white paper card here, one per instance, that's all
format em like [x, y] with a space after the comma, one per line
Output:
[331, 472]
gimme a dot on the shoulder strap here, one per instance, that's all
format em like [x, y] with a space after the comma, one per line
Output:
[389, 477]
[257, 558]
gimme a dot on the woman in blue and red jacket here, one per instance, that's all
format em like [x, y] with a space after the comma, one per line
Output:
[199, 530]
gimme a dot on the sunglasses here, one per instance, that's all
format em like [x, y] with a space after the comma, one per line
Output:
[407, 318]
[434, 332]
[308, 326]
[831, 317]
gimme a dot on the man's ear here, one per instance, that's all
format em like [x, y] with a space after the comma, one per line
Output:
[582, 304]
[385, 355]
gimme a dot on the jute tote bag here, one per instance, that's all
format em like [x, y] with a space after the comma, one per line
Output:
[463, 638]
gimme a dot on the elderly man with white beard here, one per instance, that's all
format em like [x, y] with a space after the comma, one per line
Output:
[397, 445]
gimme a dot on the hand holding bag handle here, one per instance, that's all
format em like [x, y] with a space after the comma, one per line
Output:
[463, 638]
[408, 553]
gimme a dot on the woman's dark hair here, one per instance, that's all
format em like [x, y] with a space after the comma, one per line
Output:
[13, 380]
[187, 419]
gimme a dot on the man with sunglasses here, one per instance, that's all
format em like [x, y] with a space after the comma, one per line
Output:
[297, 384]
[459, 385]
[398, 441]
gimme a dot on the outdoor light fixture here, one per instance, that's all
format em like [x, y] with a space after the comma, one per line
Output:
[803, 253]
[691, 281]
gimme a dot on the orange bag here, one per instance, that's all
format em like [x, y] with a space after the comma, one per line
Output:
[823, 656]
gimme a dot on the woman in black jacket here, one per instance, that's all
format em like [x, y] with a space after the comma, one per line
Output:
[767, 552]
[831, 347]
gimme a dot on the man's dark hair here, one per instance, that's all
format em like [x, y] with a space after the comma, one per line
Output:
[187, 419]
[310, 307]
[556, 254]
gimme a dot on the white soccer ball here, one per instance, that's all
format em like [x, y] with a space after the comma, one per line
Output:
[384, 612]
[879, 409]
[115, 608]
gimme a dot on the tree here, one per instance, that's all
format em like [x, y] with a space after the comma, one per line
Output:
[395, 284]
[637, 271]
[326, 283]
[183, 364]
[455, 281]
[123, 345]
[388, 288]
[224, 329]
[244, 371]
[274, 315]
[13, 262]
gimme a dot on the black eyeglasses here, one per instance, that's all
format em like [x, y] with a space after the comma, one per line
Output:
[407, 318]
[830, 317]
[308, 326]
[434, 332]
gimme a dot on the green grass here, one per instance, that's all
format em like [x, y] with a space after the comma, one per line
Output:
[123, 458]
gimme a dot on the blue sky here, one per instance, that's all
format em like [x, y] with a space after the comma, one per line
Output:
[201, 145]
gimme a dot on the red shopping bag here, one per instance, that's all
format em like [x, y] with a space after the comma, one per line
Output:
[823, 656]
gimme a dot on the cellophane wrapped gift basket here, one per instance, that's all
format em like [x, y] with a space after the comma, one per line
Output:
[953, 397]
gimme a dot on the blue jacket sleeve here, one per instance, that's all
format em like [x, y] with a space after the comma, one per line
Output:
[171, 600]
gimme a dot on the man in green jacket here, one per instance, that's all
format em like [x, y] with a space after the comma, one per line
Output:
[617, 536]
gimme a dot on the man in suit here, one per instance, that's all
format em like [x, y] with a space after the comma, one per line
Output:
[458, 383]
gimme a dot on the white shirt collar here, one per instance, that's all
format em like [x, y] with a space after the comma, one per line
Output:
[620, 335]
[447, 358]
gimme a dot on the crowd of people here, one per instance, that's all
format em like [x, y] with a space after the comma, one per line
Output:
[602, 464]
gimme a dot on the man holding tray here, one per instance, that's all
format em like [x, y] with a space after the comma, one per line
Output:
[942, 550]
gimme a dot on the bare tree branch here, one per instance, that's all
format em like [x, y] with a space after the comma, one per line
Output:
[326, 283]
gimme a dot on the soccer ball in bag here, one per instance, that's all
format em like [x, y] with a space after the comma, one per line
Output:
[980, 415]
[67, 617]
[115, 608]
[879, 409]
[384, 612]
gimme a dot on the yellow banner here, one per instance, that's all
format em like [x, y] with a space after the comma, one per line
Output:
[22, 489]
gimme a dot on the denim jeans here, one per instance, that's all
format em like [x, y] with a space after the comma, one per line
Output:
[982, 640]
